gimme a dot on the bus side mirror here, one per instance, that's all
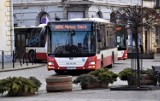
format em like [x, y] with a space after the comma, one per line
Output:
[99, 36]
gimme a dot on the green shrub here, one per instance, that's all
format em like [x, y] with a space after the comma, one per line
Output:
[126, 73]
[85, 80]
[131, 76]
[15, 86]
[36, 81]
[149, 72]
[102, 76]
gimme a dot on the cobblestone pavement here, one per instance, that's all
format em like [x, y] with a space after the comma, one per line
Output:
[84, 95]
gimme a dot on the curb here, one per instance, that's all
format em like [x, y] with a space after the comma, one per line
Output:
[22, 68]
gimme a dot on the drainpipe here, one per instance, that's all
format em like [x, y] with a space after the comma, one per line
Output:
[11, 25]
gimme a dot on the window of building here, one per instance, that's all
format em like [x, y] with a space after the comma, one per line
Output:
[113, 17]
[157, 3]
[157, 36]
[44, 18]
[99, 14]
[72, 14]
[15, 20]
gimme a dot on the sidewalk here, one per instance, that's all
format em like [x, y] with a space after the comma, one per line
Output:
[157, 57]
[8, 66]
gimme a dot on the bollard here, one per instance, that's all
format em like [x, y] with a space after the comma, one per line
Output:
[13, 58]
[2, 59]
[35, 56]
[26, 56]
[20, 59]
[23, 58]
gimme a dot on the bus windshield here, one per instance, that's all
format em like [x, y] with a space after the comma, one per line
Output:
[73, 43]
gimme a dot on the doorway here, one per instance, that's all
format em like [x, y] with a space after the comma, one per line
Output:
[146, 37]
[20, 42]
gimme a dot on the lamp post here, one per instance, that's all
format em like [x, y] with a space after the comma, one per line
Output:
[11, 26]
[141, 3]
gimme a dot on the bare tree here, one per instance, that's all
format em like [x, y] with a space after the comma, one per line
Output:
[136, 17]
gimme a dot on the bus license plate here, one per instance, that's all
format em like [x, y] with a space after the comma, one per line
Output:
[71, 68]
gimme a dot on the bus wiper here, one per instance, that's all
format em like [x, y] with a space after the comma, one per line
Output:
[74, 49]
[59, 50]
[71, 48]
[70, 38]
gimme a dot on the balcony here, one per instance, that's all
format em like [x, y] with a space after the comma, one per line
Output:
[45, 1]
[50, 2]
[102, 2]
[34, 1]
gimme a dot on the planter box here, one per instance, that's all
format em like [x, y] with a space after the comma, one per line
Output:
[145, 79]
[26, 94]
[59, 83]
[141, 56]
[95, 86]
[158, 50]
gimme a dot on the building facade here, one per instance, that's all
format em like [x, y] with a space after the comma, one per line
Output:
[148, 35]
[157, 33]
[35, 12]
[5, 32]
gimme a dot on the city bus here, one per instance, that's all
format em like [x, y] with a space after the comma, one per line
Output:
[121, 41]
[82, 44]
[32, 41]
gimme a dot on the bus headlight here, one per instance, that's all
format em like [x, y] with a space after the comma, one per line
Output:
[92, 63]
[50, 63]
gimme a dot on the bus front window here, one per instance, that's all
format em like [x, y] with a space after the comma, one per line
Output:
[73, 43]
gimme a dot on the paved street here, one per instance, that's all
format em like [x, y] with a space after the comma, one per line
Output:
[18, 65]
[83, 95]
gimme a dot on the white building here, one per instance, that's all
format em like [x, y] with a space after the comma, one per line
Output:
[6, 35]
[34, 12]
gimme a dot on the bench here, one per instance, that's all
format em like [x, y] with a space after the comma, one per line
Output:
[156, 73]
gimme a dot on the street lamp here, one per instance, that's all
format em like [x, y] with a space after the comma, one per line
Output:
[11, 25]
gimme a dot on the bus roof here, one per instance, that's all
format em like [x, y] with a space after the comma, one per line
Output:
[100, 20]
[91, 19]
[30, 27]
[27, 27]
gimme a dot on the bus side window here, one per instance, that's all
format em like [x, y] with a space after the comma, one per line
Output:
[43, 37]
[99, 35]
[106, 40]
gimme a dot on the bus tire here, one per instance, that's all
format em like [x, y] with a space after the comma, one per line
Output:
[112, 61]
[59, 83]
[31, 56]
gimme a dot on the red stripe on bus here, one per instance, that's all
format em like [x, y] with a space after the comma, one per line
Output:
[41, 56]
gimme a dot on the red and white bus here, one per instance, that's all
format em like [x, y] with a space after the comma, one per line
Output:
[35, 41]
[83, 44]
[121, 41]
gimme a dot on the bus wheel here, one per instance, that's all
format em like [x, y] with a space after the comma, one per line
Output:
[31, 56]
[110, 66]
[112, 61]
